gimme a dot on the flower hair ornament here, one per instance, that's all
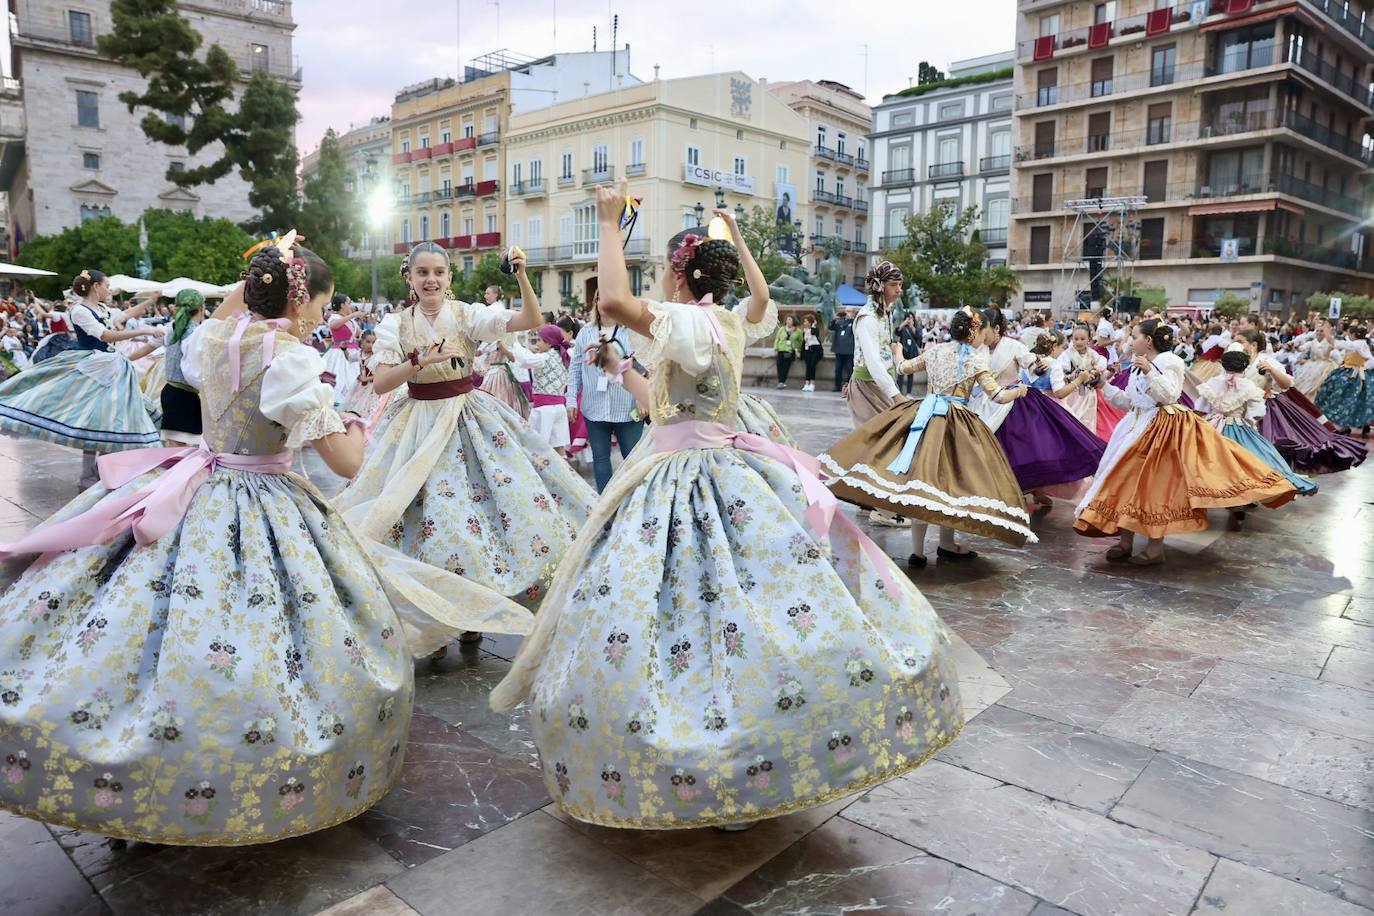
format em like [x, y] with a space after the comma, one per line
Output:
[684, 254]
[975, 319]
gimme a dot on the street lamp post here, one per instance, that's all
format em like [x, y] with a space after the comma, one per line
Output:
[720, 196]
[700, 212]
[378, 211]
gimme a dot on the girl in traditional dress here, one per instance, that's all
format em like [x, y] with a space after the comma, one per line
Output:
[1164, 466]
[1289, 421]
[341, 359]
[549, 375]
[457, 488]
[1050, 452]
[203, 654]
[1086, 370]
[181, 420]
[1316, 361]
[496, 363]
[937, 462]
[87, 397]
[712, 652]
[1207, 366]
[1347, 396]
[1234, 405]
[60, 336]
[364, 399]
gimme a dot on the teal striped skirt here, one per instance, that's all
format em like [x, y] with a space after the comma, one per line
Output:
[86, 399]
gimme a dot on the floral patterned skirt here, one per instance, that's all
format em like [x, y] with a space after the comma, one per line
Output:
[240, 680]
[1347, 398]
[464, 487]
[714, 663]
[757, 416]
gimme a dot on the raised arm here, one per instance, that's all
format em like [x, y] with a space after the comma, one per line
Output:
[758, 286]
[529, 317]
[613, 280]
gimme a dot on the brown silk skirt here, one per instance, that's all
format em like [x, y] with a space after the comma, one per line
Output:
[959, 477]
[866, 401]
[1178, 469]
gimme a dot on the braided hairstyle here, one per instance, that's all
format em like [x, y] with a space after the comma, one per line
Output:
[1047, 342]
[963, 325]
[1160, 334]
[1235, 360]
[86, 281]
[265, 284]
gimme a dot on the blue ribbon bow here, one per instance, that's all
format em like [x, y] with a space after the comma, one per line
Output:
[934, 405]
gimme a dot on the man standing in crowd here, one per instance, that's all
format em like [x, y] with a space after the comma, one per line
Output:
[842, 346]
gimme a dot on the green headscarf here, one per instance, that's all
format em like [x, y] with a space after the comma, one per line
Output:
[189, 302]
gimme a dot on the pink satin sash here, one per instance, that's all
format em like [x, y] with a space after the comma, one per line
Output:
[150, 512]
[269, 343]
[822, 508]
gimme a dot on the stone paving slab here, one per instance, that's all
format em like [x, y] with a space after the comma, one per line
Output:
[1194, 738]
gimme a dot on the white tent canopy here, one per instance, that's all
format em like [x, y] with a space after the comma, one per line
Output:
[121, 283]
[125, 284]
[14, 270]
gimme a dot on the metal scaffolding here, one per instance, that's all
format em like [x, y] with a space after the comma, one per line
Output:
[1100, 248]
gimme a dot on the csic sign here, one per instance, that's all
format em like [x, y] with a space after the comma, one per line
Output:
[700, 174]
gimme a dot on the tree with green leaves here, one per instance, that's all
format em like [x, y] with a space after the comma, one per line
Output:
[943, 259]
[328, 209]
[181, 245]
[1229, 305]
[486, 272]
[764, 236]
[927, 73]
[105, 244]
[187, 101]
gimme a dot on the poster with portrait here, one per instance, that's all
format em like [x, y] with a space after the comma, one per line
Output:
[786, 212]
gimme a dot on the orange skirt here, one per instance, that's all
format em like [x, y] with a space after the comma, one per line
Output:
[1178, 469]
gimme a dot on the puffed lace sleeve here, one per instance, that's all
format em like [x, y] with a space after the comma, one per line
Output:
[1166, 383]
[766, 326]
[483, 322]
[85, 319]
[293, 396]
[680, 333]
[386, 349]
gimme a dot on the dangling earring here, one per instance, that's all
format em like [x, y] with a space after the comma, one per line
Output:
[302, 329]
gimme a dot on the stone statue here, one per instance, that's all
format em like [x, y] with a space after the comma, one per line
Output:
[831, 270]
[796, 288]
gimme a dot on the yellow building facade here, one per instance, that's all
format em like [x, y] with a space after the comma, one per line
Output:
[447, 165]
[683, 144]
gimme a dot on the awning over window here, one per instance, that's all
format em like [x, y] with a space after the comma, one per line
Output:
[1251, 206]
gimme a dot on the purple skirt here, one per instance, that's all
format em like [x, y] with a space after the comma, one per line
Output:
[1123, 378]
[1046, 445]
[1304, 442]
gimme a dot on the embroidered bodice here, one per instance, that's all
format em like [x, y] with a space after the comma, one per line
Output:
[282, 405]
[1233, 397]
[692, 376]
[458, 323]
[952, 369]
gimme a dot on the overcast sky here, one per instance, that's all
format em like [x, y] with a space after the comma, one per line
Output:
[357, 53]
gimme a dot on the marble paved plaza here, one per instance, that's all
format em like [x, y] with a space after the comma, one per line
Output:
[1196, 738]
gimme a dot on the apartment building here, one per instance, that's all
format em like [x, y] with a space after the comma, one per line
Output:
[1238, 130]
[686, 145]
[946, 143]
[839, 121]
[448, 157]
[66, 140]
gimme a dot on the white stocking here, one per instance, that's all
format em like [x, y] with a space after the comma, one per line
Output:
[918, 538]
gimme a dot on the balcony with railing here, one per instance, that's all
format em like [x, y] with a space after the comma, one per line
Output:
[1211, 188]
[993, 236]
[994, 164]
[529, 187]
[889, 242]
[635, 169]
[946, 170]
[861, 163]
[487, 188]
[489, 138]
[598, 174]
[1180, 17]
[1211, 126]
[860, 205]
[860, 247]
[567, 181]
[1329, 73]
[895, 178]
[825, 152]
[823, 241]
